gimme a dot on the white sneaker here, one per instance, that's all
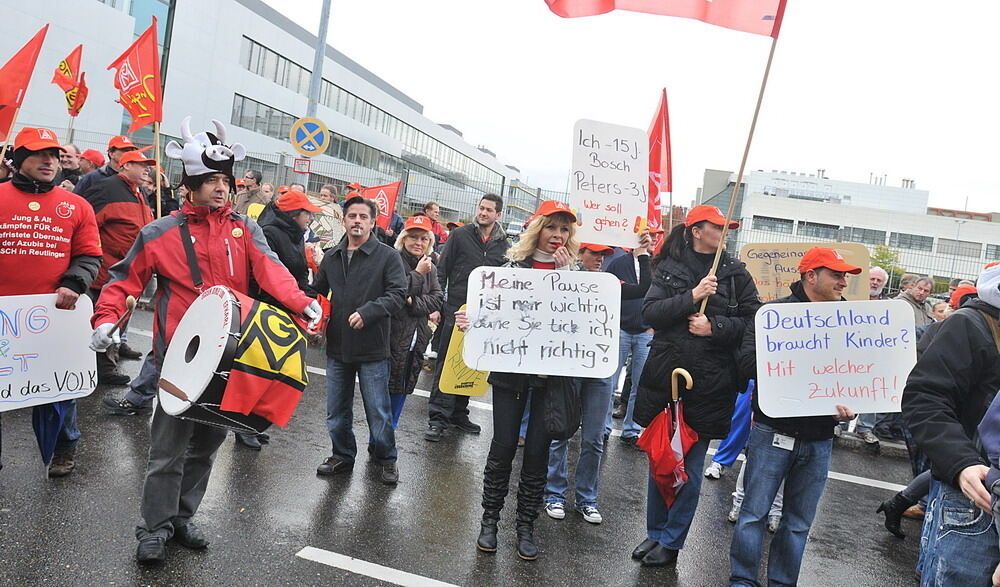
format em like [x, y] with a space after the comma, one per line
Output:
[714, 470]
[590, 514]
[869, 437]
[734, 514]
[555, 510]
[430, 355]
[773, 521]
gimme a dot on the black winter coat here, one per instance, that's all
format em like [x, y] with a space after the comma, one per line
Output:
[407, 353]
[950, 388]
[708, 407]
[284, 237]
[463, 252]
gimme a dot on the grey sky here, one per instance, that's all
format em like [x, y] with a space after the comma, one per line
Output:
[905, 88]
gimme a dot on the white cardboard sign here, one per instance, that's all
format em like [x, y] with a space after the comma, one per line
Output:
[543, 322]
[43, 351]
[609, 182]
[813, 356]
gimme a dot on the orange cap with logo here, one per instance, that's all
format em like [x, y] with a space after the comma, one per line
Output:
[36, 139]
[550, 207]
[292, 200]
[417, 223]
[817, 257]
[709, 213]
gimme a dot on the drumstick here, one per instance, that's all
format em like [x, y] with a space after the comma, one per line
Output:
[129, 306]
[173, 390]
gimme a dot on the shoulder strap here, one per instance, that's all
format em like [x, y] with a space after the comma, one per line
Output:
[189, 252]
[994, 327]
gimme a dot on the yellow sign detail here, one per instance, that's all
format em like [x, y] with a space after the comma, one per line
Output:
[456, 377]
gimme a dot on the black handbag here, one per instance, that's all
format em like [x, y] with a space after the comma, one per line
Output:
[563, 411]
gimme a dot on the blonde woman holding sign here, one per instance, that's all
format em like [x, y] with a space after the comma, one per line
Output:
[549, 242]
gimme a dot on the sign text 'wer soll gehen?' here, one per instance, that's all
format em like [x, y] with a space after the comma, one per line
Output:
[609, 182]
[813, 356]
[43, 351]
[543, 322]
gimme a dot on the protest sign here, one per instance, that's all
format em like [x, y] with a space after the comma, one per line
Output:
[43, 351]
[543, 322]
[456, 377]
[813, 356]
[608, 182]
[774, 266]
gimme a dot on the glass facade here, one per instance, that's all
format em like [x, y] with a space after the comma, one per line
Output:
[947, 246]
[914, 242]
[782, 225]
[864, 235]
[993, 252]
[817, 230]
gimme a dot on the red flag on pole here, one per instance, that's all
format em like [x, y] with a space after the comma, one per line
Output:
[660, 176]
[760, 17]
[14, 78]
[68, 71]
[77, 96]
[385, 197]
[138, 80]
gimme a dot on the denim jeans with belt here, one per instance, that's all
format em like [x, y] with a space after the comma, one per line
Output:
[959, 542]
[804, 470]
[373, 379]
[594, 397]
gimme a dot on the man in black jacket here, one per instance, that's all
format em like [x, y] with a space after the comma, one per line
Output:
[946, 396]
[795, 450]
[117, 147]
[483, 243]
[367, 284]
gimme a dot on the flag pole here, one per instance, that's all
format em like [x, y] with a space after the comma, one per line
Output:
[69, 129]
[156, 171]
[743, 164]
[6, 140]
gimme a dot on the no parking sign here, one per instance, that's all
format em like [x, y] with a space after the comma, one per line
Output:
[310, 136]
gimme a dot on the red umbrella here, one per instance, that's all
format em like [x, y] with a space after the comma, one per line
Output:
[666, 441]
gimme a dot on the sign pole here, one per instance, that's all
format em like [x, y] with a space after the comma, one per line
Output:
[743, 164]
[156, 137]
[317, 72]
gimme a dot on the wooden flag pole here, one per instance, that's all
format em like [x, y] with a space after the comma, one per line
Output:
[156, 137]
[743, 164]
[69, 130]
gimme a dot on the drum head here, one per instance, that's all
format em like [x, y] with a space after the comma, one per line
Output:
[197, 347]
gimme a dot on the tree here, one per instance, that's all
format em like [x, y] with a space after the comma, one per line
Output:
[888, 259]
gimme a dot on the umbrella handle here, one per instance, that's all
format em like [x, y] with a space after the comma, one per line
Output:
[688, 382]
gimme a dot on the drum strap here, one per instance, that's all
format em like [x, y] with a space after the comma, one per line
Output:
[189, 252]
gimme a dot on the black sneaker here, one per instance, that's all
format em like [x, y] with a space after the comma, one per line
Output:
[124, 407]
[333, 466]
[248, 440]
[190, 536]
[434, 433]
[467, 425]
[630, 440]
[390, 474]
[113, 379]
[151, 550]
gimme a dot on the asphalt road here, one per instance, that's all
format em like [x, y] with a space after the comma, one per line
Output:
[262, 509]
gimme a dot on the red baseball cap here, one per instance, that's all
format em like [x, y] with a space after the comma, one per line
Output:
[121, 142]
[709, 213]
[241, 182]
[817, 257]
[282, 189]
[417, 223]
[292, 200]
[94, 156]
[135, 157]
[550, 207]
[453, 224]
[960, 292]
[37, 139]
[602, 249]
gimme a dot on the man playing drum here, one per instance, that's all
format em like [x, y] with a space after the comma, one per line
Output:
[228, 248]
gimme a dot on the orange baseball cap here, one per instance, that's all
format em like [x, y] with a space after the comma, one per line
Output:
[135, 157]
[94, 156]
[241, 182]
[292, 200]
[453, 224]
[37, 139]
[709, 213]
[602, 249]
[282, 189]
[121, 142]
[417, 223]
[550, 207]
[817, 257]
[960, 292]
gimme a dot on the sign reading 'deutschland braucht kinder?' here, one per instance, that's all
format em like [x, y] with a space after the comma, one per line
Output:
[543, 322]
[608, 182]
[43, 351]
[813, 356]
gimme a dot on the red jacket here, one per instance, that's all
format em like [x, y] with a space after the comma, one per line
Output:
[121, 211]
[229, 248]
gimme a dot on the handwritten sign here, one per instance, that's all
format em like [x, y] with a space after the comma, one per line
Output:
[43, 351]
[543, 322]
[774, 266]
[813, 356]
[456, 377]
[608, 182]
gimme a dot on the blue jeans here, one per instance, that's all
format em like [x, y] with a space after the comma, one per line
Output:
[69, 434]
[960, 543]
[373, 379]
[669, 526]
[397, 402]
[866, 423]
[804, 470]
[594, 397]
[638, 346]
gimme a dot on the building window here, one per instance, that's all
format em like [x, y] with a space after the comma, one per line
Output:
[993, 252]
[817, 230]
[768, 223]
[947, 246]
[915, 242]
[864, 235]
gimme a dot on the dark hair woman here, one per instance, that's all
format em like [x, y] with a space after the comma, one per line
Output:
[704, 345]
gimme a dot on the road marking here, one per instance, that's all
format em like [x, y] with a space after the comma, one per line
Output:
[362, 567]
[616, 432]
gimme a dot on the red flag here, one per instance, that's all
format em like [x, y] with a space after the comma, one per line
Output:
[138, 80]
[385, 197]
[666, 441]
[68, 71]
[660, 175]
[761, 17]
[14, 78]
[77, 96]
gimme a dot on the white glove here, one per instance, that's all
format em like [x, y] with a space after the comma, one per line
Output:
[313, 312]
[100, 341]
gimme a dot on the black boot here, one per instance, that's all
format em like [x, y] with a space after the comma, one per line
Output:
[488, 533]
[893, 510]
[526, 548]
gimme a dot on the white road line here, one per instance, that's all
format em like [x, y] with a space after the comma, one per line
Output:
[615, 432]
[361, 567]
